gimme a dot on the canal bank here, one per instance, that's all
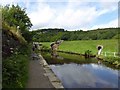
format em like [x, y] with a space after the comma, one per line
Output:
[50, 74]
[41, 76]
[114, 61]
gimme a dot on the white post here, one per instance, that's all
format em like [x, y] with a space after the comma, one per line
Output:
[99, 47]
[105, 54]
[114, 54]
[99, 52]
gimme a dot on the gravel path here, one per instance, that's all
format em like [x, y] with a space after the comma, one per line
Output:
[37, 78]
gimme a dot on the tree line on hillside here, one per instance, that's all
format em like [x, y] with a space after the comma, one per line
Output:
[48, 35]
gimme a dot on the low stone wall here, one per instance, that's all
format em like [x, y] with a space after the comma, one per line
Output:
[50, 74]
[75, 53]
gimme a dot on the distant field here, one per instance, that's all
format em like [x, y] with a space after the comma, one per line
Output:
[82, 45]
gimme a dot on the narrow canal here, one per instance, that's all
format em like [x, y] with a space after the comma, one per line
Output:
[75, 71]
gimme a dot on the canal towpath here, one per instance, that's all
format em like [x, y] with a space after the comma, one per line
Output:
[40, 76]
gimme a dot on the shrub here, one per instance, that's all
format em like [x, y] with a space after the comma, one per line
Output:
[15, 69]
[87, 53]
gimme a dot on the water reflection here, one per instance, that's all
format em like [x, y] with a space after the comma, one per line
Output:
[54, 54]
[99, 62]
[75, 71]
[86, 76]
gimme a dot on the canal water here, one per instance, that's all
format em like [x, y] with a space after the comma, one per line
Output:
[75, 71]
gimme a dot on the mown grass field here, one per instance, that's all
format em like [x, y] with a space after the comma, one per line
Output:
[82, 45]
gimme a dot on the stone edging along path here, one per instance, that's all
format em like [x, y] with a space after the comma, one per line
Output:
[50, 74]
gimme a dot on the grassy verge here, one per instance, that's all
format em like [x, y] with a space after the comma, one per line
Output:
[15, 69]
[114, 61]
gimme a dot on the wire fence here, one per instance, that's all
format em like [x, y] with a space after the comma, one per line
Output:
[113, 54]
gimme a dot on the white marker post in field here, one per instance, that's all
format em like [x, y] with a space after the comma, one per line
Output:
[99, 47]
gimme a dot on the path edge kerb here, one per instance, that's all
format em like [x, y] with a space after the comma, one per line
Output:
[50, 74]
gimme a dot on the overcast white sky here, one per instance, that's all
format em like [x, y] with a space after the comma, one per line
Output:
[70, 14]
